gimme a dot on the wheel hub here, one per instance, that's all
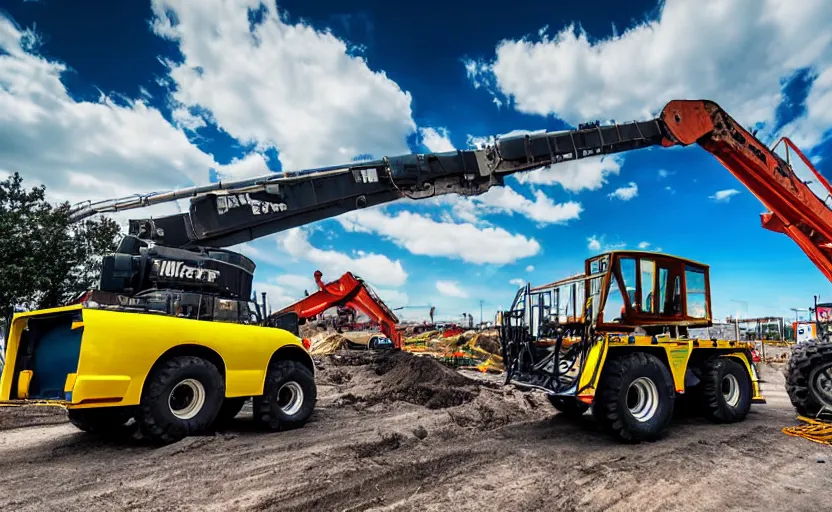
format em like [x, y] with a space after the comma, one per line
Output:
[186, 399]
[820, 382]
[290, 398]
[643, 399]
[731, 390]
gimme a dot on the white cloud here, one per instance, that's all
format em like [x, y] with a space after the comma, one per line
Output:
[598, 244]
[737, 52]
[589, 173]
[84, 150]
[250, 166]
[299, 283]
[393, 298]
[437, 140]
[643, 245]
[255, 252]
[422, 235]
[451, 289]
[277, 297]
[376, 269]
[812, 126]
[625, 193]
[517, 282]
[280, 85]
[664, 173]
[670, 189]
[529, 268]
[542, 210]
[724, 195]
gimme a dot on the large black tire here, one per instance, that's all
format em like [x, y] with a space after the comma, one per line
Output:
[635, 397]
[230, 408]
[289, 396]
[726, 390]
[165, 416]
[809, 377]
[106, 422]
[569, 406]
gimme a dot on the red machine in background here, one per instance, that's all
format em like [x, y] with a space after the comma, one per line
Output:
[346, 291]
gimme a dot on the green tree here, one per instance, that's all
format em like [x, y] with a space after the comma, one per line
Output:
[45, 259]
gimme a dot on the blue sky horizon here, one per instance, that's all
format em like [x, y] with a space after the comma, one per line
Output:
[103, 99]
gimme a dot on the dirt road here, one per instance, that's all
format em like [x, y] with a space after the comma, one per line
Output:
[404, 435]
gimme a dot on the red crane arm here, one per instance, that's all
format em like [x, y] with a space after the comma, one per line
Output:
[793, 208]
[347, 290]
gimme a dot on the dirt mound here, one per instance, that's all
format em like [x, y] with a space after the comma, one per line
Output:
[495, 408]
[423, 380]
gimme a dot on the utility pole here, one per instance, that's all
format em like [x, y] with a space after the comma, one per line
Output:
[481, 302]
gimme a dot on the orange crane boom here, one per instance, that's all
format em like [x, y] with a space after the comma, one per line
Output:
[347, 290]
[793, 208]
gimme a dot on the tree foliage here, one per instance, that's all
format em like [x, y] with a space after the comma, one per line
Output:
[45, 259]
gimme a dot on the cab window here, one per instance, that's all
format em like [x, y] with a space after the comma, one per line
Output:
[628, 272]
[614, 307]
[675, 305]
[695, 292]
[664, 274]
[648, 277]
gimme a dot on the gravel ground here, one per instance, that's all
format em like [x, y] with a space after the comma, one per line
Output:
[406, 433]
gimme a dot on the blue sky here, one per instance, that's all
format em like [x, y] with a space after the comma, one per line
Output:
[101, 99]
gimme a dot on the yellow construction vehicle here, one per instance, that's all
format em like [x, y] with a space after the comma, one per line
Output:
[615, 339]
[121, 369]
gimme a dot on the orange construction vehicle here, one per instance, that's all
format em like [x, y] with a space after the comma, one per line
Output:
[351, 291]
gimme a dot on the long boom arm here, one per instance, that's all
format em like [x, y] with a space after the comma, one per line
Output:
[224, 214]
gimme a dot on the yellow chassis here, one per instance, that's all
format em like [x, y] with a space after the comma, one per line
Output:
[119, 349]
[675, 352]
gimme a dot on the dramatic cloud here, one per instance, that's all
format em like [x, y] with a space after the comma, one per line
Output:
[275, 84]
[425, 236]
[84, 150]
[589, 173]
[377, 269]
[437, 140]
[542, 210]
[297, 282]
[738, 52]
[625, 193]
[451, 289]
[724, 195]
[277, 297]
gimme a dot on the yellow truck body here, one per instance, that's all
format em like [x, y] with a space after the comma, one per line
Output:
[676, 352]
[85, 358]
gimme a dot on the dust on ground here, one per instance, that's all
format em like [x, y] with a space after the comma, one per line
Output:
[402, 432]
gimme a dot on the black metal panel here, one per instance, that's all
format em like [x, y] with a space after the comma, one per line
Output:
[172, 230]
[215, 216]
[546, 148]
[253, 231]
